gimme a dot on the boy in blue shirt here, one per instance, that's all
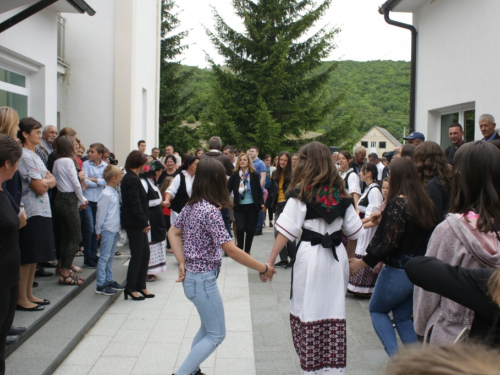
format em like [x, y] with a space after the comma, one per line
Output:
[107, 229]
[94, 169]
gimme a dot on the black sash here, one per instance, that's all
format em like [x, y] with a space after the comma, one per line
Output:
[328, 241]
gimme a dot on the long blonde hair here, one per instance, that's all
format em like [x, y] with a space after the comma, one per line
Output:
[9, 121]
[250, 163]
[446, 360]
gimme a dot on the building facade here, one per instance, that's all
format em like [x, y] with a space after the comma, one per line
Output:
[457, 53]
[378, 140]
[98, 75]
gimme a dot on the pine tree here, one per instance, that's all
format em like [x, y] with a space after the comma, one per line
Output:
[270, 82]
[172, 79]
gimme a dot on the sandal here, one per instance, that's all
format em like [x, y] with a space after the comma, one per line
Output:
[69, 280]
[79, 253]
[118, 254]
[73, 275]
[76, 269]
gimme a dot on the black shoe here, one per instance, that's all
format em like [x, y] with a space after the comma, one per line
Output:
[11, 340]
[258, 233]
[290, 264]
[16, 331]
[146, 295]
[281, 263]
[127, 293]
[48, 264]
[42, 303]
[35, 284]
[271, 224]
[41, 273]
[36, 308]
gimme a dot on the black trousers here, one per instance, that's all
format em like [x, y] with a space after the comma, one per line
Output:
[290, 249]
[246, 217]
[270, 211]
[8, 302]
[70, 227]
[139, 259]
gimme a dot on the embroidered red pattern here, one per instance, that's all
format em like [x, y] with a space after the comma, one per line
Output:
[320, 344]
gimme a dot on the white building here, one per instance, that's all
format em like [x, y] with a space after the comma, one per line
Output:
[457, 78]
[378, 140]
[98, 75]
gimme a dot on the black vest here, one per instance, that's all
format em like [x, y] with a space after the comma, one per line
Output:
[182, 197]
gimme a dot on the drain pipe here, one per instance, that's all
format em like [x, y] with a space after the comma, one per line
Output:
[385, 9]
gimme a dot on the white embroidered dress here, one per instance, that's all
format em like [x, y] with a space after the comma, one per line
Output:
[319, 285]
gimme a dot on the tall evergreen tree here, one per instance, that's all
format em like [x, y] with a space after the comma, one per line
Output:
[172, 79]
[270, 84]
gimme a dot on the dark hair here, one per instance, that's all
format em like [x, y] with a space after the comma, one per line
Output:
[267, 157]
[141, 141]
[476, 183]
[230, 148]
[371, 168]
[456, 125]
[198, 150]
[254, 147]
[408, 150]
[155, 166]
[64, 132]
[170, 156]
[287, 172]
[188, 160]
[135, 159]
[406, 182]
[373, 155]
[27, 125]
[346, 154]
[98, 147]
[66, 148]
[431, 161]
[10, 150]
[154, 148]
[315, 170]
[210, 183]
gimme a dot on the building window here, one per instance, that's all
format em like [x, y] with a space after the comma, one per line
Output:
[61, 39]
[382, 145]
[468, 125]
[14, 91]
[373, 144]
[364, 144]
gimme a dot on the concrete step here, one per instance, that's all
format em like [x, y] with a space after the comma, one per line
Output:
[53, 333]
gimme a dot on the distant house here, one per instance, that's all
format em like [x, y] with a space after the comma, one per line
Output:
[378, 140]
[98, 75]
[458, 50]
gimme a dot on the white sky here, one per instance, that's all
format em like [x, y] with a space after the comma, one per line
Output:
[364, 33]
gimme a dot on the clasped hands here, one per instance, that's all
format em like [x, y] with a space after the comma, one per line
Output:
[269, 274]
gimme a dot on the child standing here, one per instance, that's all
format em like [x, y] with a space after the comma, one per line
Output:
[94, 169]
[198, 237]
[107, 230]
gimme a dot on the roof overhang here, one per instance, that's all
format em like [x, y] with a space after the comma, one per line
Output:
[63, 6]
[403, 6]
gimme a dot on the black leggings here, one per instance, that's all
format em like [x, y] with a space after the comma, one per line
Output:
[246, 216]
[8, 303]
[139, 259]
[69, 227]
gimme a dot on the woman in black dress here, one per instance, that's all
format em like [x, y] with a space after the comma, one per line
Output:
[135, 221]
[10, 154]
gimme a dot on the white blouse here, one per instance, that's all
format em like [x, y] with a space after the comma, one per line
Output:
[353, 181]
[67, 178]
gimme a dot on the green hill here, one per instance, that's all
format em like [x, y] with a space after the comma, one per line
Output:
[376, 93]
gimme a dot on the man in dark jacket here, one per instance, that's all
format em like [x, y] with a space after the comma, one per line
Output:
[456, 134]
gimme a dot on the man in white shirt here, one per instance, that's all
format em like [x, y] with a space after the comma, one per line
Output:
[373, 158]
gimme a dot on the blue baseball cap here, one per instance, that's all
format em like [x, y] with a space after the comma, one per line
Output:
[415, 135]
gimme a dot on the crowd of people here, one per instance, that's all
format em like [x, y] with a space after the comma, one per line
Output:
[414, 230]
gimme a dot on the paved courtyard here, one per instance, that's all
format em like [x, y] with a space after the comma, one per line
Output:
[154, 336]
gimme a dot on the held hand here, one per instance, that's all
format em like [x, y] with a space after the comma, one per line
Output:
[82, 207]
[270, 272]
[166, 203]
[146, 230]
[355, 265]
[48, 175]
[378, 268]
[264, 209]
[182, 273]
[98, 236]
[375, 217]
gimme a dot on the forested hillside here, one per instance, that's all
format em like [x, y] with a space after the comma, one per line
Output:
[376, 93]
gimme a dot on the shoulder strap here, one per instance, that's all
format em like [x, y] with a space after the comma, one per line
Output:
[346, 179]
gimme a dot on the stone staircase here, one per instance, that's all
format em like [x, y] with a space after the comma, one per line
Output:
[54, 332]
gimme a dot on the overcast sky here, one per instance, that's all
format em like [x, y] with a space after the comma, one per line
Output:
[364, 33]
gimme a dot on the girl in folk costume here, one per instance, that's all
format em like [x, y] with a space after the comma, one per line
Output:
[363, 283]
[318, 207]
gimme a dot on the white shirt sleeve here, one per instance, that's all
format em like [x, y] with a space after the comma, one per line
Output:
[352, 225]
[292, 219]
[354, 184]
[375, 200]
[71, 175]
[174, 186]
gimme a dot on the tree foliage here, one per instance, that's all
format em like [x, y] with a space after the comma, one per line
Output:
[173, 100]
[270, 86]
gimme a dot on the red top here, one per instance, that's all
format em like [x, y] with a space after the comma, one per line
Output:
[166, 210]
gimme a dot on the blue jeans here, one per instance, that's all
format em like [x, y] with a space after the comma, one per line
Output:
[260, 221]
[89, 238]
[202, 290]
[105, 263]
[393, 292]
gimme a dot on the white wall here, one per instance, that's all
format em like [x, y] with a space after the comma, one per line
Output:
[86, 93]
[458, 57]
[31, 47]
